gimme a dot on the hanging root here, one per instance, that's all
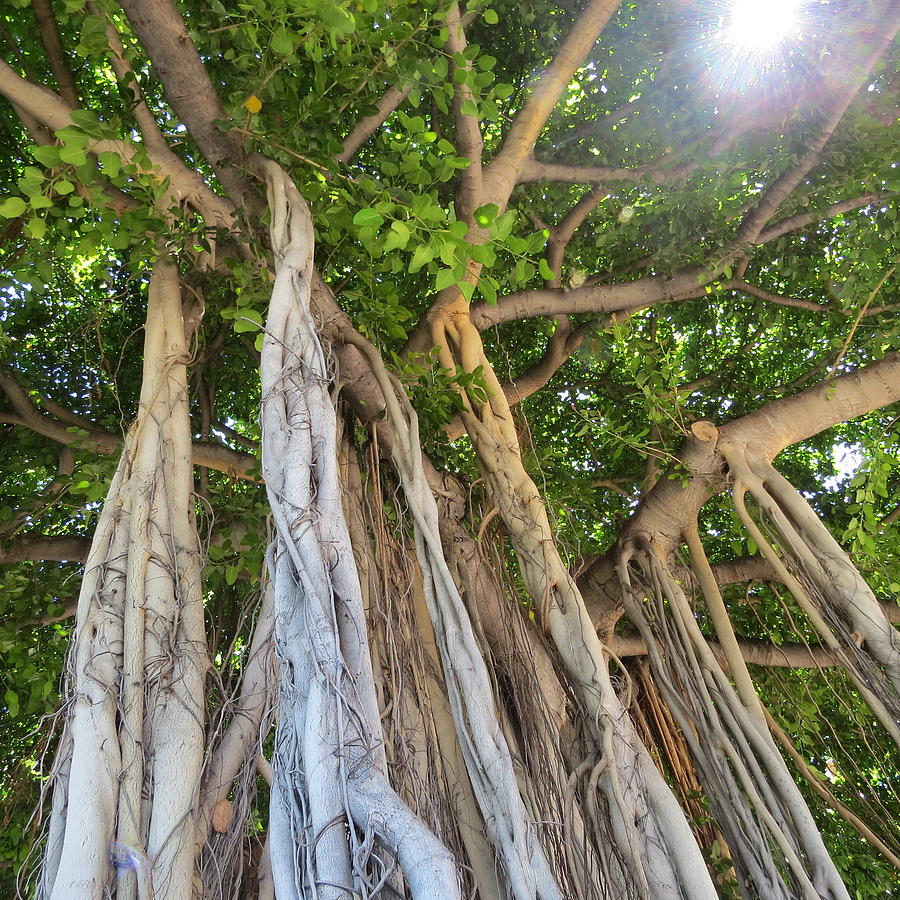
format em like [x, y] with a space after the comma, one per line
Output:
[775, 845]
[129, 774]
[651, 851]
[332, 808]
[424, 755]
[484, 747]
[824, 582]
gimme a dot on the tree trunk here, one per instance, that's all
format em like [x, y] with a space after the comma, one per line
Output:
[127, 778]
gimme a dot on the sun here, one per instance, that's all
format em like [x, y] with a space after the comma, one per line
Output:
[760, 25]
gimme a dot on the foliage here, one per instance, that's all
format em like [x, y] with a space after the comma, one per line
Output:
[79, 232]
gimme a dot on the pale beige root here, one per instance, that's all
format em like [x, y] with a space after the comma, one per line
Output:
[468, 815]
[136, 721]
[424, 758]
[816, 783]
[825, 564]
[817, 599]
[671, 752]
[808, 836]
[722, 624]
[755, 800]
[539, 716]
[80, 832]
[330, 791]
[488, 759]
[663, 853]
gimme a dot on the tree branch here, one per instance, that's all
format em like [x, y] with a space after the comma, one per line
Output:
[747, 568]
[657, 172]
[784, 422]
[46, 21]
[52, 111]
[801, 220]
[214, 456]
[564, 342]
[594, 299]
[673, 505]
[518, 147]
[760, 653]
[368, 125]
[36, 547]
[469, 140]
[34, 419]
[755, 221]
[738, 284]
[564, 232]
[164, 35]
[146, 121]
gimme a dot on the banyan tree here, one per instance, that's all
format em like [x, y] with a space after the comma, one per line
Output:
[450, 451]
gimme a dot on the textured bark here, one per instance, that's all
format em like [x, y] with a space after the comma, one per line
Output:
[34, 547]
[673, 504]
[128, 780]
[330, 765]
[43, 12]
[553, 792]
[665, 854]
[164, 36]
[52, 111]
[368, 125]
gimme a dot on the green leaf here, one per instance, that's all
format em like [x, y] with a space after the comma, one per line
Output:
[488, 288]
[12, 207]
[504, 225]
[486, 214]
[546, 272]
[469, 108]
[72, 137]
[402, 231]
[423, 255]
[110, 162]
[368, 218]
[87, 121]
[46, 155]
[336, 19]
[12, 702]
[75, 156]
[444, 279]
[37, 227]
[491, 17]
[282, 42]
[247, 320]
[64, 186]
[32, 179]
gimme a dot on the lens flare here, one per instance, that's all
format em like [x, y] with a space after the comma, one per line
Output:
[762, 24]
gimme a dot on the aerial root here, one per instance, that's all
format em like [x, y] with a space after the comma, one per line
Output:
[823, 581]
[754, 799]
